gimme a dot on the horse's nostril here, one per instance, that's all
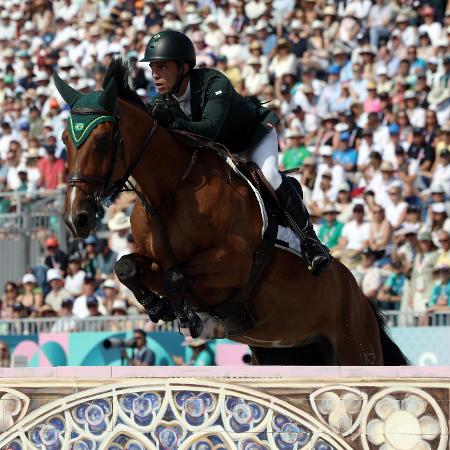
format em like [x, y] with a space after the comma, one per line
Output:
[82, 220]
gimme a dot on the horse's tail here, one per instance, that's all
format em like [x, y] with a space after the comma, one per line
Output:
[392, 355]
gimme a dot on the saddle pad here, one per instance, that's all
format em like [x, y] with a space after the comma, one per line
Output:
[286, 238]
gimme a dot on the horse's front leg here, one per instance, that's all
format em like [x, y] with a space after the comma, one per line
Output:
[175, 289]
[137, 272]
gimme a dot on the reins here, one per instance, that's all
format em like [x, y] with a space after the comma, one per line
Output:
[124, 184]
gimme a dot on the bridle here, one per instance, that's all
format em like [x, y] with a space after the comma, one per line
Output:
[108, 191]
[123, 184]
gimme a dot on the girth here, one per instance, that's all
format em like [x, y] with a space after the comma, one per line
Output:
[234, 312]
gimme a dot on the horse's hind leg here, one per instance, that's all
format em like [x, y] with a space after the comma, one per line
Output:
[137, 273]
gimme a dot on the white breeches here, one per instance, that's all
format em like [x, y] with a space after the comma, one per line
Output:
[265, 154]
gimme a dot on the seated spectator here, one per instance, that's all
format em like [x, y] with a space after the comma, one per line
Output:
[55, 258]
[440, 295]
[344, 203]
[9, 298]
[52, 169]
[397, 207]
[110, 294]
[32, 295]
[390, 295]
[355, 235]
[119, 226]
[344, 155]
[444, 248]
[57, 293]
[331, 230]
[75, 276]
[67, 322]
[405, 245]
[380, 232]
[80, 307]
[119, 308]
[200, 355]
[296, 151]
[439, 221]
[368, 275]
[106, 259]
[91, 259]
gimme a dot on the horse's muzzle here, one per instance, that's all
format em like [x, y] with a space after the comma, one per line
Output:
[80, 223]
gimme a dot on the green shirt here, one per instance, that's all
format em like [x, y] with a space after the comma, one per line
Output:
[330, 235]
[293, 157]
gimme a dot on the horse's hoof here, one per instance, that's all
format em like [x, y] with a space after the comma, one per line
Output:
[196, 329]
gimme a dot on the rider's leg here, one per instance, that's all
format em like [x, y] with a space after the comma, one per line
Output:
[265, 154]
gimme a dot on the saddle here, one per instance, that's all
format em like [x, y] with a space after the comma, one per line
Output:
[234, 312]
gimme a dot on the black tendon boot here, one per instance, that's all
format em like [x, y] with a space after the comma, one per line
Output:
[315, 254]
[188, 318]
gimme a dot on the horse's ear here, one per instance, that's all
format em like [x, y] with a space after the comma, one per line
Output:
[109, 95]
[68, 93]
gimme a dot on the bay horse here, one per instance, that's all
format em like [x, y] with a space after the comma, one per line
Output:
[198, 217]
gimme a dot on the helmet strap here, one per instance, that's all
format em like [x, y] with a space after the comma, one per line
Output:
[180, 78]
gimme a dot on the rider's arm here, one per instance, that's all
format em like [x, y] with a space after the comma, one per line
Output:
[218, 99]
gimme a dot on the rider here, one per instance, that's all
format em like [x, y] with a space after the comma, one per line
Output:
[203, 101]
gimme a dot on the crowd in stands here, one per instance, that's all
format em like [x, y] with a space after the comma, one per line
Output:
[362, 89]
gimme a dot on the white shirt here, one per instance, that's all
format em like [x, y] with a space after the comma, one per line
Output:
[80, 308]
[185, 101]
[74, 284]
[393, 212]
[356, 234]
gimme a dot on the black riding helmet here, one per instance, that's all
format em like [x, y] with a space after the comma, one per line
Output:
[170, 45]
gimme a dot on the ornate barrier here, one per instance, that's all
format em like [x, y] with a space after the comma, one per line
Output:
[245, 408]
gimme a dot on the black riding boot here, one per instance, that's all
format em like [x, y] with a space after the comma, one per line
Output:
[315, 254]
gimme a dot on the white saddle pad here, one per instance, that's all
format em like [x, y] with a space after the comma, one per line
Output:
[286, 238]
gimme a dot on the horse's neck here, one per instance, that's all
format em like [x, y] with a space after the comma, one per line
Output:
[164, 159]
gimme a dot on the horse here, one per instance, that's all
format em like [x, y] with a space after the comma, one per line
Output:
[198, 226]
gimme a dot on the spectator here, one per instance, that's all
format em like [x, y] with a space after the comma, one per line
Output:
[440, 295]
[331, 230]
[201, 354]
[142, 354]
[390, 296]
[368, 275]
[52, 169]
[422, 273]
[67, 322]
[111, 294]
[57, 293]
[119, 226]
[91, 258]
[355, 235]
[444, 248]
[56, 258]
[80, 306]
[9, 298]
[32, 295]
[106, 259]
[296, 151]
[75, 276]
[397, 207]
[379, 233]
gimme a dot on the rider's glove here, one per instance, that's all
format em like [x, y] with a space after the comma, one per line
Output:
[163, 115]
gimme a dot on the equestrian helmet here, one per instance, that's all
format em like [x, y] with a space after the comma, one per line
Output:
[170, 45]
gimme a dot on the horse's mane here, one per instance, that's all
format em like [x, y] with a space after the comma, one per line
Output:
[119, 69]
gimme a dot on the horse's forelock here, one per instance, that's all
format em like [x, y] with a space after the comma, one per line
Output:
[119, 69]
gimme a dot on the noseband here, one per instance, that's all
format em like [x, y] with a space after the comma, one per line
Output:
[108, 192]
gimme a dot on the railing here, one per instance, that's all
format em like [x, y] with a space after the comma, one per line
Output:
[127, 323]
[417, 318]
[22, 327]
[23, 230]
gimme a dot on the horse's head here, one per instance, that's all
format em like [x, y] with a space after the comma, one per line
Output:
[92, 141]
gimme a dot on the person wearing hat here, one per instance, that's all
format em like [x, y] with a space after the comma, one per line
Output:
[296, 151]
[443, 241]
[110, 294]
[57, 293]
[218, 112]
[32, 294]
[330, 231]
[55, 257]
[396, 207]
[198, 353]
[255, 79]
[344, 154]
[421, 283]
[119, 225]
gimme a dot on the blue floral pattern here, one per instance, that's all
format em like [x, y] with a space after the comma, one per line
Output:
[167, 418]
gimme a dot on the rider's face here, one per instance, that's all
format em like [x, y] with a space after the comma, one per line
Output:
[164, 74]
